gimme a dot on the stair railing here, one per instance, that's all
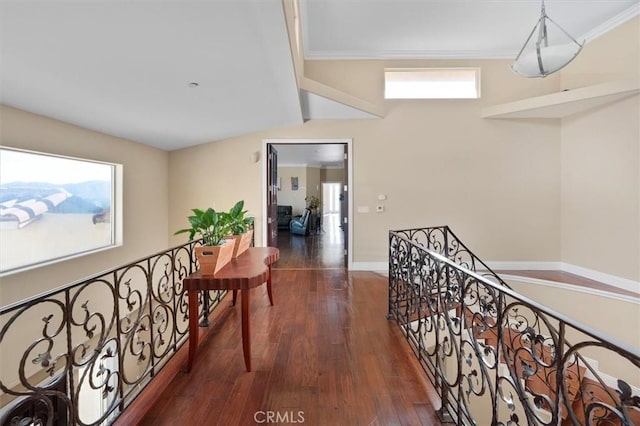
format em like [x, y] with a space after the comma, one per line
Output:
[80, 354]
[495, 356]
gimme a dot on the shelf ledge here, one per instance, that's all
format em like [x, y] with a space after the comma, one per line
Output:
[568, 102]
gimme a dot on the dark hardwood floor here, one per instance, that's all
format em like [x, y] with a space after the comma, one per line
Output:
[321, 250]
[324, 354]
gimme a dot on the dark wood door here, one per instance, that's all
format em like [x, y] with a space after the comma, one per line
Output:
[344, 205]
[272, 196]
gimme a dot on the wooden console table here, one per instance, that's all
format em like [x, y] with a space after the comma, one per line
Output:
[251, 269]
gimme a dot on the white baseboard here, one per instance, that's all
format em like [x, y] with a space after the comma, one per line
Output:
[612, 280]
[619, 282]
[566, 286]
[369, 266]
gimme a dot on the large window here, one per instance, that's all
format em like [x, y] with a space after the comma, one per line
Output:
[53, 208]
[432, 83]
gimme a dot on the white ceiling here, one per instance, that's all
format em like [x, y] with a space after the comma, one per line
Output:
[370, 29]
[123, 67]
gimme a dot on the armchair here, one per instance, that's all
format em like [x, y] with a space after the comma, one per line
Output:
[300, 226]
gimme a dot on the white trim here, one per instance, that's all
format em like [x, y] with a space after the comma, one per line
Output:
[572, 287]
[622, 17]
[619, 282]
[408, 54]
[349, 143]
[370, 266]
[612, 280]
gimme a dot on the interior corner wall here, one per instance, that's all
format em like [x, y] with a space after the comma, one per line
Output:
[331, 175]
[313, 183]
[610, 57]
[217, 175]
[600, 162]
[145, 204]
[495, 182]
[601, 189]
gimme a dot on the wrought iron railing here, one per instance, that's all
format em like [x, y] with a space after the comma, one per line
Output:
[499, 358]
[80, 354]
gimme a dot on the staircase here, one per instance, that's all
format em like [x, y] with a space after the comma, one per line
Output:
[497, 357]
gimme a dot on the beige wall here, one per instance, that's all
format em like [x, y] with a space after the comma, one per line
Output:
[600, 189]
[611, 57]
[600, 163]
[215, 175]
[495, 182]
[331, 175]
[313, 182]
[286, 195]
[145, 197]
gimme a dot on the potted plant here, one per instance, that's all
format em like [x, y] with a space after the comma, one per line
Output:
[212, 227]
[313, 202]
[240, 228]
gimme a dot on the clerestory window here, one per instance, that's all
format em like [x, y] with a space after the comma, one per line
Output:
[432, 83]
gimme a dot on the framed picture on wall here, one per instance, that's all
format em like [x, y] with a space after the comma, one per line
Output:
[294, 183]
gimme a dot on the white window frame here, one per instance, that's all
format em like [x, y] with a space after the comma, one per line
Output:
[110, 218]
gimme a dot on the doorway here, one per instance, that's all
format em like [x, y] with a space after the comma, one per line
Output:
[299, 177]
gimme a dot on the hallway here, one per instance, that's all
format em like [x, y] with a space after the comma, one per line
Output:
[324, 354]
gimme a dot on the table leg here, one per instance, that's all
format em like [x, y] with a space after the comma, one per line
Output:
[269, 287]
[246, 332]
[235, 295]
[193, 327]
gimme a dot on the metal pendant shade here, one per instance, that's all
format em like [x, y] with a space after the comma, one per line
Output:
[541, 58]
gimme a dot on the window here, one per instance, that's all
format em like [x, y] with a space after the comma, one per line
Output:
[53, 208]
[432, 83]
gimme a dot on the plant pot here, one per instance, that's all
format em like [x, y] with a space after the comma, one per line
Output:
[212, 259]
[242, 242]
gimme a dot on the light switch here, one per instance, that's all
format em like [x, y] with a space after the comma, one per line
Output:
[363, 209]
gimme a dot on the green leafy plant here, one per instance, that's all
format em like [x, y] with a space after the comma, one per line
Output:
[209, 224]
[313, 202]
[238, 223]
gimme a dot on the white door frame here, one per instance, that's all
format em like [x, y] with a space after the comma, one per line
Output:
[349, 143]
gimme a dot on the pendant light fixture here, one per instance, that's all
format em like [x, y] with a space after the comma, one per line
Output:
[543, 58]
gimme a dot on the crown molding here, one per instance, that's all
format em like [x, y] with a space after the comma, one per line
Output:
[612, 23]
[408, 54]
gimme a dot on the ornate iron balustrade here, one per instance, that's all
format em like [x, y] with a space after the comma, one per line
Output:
[497, 357]
[80, 354]
[441, 240]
